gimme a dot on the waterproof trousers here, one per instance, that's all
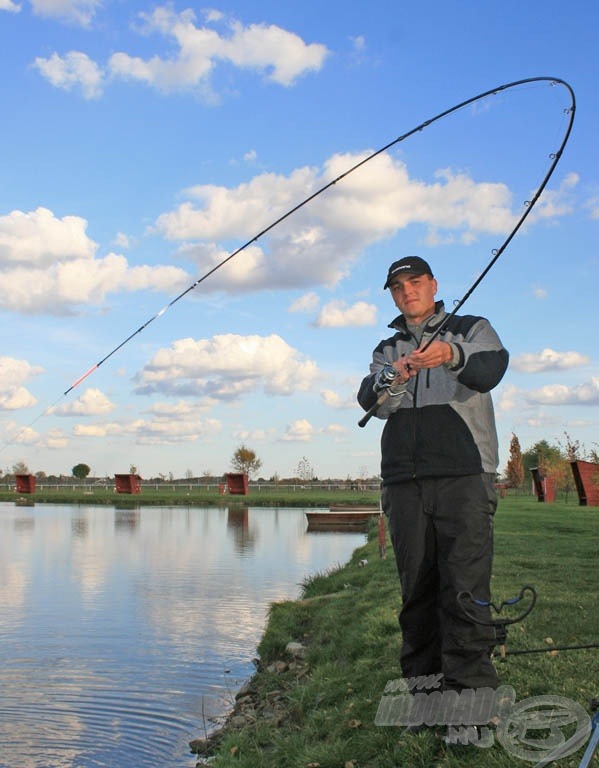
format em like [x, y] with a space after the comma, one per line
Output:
[442, 535]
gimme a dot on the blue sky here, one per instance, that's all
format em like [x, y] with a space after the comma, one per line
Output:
[142, 143]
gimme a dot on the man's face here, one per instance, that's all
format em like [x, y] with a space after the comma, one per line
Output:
[414, 296]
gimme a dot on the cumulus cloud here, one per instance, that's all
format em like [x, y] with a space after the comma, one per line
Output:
[49, 265]
[14, 374]
[298, 431]
[306, 303]
[509, 398]
[53, 439]
[37, 238]
[74, 70]
[279, 55]
[151, 431]
[8, 5]
[77, 11]
[334, 400]
[338, 314]
[560, 394]
[548, 360]
[93, 402]
[227, 367]
[556, 202]
[319, 243]
[166, 424]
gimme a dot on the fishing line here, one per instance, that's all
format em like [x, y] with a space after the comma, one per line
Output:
[553, 81]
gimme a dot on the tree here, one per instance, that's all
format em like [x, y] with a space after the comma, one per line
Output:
[304, 470]
[514, 471]
[20, 468]
[541, 455]
[80, 471]
[245, 460]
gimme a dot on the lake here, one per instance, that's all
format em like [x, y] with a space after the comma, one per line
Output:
[125, 633]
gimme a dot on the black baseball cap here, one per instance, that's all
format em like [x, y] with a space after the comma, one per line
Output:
[409, 265]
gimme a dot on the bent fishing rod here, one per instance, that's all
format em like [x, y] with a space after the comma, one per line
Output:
[317, 193]
[553, 81]
[496, 253]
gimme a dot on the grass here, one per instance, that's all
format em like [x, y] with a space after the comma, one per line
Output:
[273, 496]
[325, 707]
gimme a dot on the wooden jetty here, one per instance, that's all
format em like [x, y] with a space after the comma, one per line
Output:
[350, 517]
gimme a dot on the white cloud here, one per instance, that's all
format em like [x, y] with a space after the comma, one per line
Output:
[77, 11]
[74, 70]
[281, 55]
[334, 400]
[336, 430]
[169, 424]
[319, 243]
[592, 205]
[359, 43]
[14, 374]
[548, 360]
[122, 241]
[54, 438]
[93, 402]
[555, 202]
[539, 293]
[560, 394]
[227, 367]
[49, 266]
[298, 431]
[508, 398]
[252, 435]
[338, 314]
[306, 303]
[38, 238]
[8, 5]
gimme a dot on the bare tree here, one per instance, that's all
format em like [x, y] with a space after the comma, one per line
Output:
[304, 470]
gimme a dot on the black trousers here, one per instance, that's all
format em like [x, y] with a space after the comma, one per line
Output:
[442, 535]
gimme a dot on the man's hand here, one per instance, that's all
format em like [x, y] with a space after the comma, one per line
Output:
[437, 353]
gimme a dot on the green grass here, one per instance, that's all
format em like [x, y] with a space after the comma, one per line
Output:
[348, 620]
[182, 495]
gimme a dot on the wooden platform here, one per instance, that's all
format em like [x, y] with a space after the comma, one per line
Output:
[348, 519]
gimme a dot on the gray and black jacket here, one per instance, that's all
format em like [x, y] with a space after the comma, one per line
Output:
[441, 423]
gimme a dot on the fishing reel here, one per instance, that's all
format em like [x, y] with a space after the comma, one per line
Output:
[385, 377]
[469, 605]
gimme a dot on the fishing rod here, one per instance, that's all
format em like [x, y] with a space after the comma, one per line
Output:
[314, 195]
[492, 91]
[496, 253]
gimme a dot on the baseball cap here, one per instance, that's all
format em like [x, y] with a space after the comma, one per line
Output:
[409, 265]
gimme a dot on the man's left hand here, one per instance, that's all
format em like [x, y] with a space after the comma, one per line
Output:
[437, 353]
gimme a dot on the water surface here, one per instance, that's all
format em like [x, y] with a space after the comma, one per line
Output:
[124, 633]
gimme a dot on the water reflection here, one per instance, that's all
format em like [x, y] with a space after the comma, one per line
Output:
[123, 632]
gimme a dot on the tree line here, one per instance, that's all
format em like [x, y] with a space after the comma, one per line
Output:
[551, 459]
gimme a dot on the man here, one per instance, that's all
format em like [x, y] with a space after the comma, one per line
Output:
[439, 458]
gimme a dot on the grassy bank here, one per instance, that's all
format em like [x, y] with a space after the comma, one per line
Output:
[320, 711]
[287, 496]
